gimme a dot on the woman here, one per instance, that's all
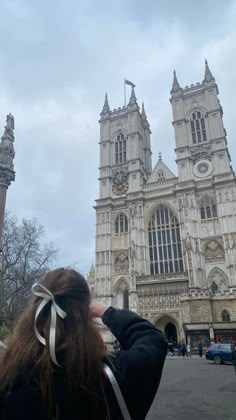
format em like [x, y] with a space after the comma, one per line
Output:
[52, 367]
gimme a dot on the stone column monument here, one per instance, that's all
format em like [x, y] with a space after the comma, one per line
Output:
[7, 173]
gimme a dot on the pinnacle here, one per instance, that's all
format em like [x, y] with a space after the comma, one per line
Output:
[143, 113]
[208, 74]
[92, 268]
[106, 107]
[133, 99]
[175, 84]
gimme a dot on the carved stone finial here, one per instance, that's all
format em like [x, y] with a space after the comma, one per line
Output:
[7, 153]
[175, 84]
[106, 108]
[143, 113]
[133, 99]
[9, 127]
[208, 74]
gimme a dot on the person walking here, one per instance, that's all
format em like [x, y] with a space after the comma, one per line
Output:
[200, 349]
[184, 350]
[189, 350]
[55, 366]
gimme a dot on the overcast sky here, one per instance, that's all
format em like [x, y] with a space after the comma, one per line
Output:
[57, 60]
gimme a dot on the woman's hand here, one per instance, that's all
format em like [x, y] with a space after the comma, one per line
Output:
[97, 309]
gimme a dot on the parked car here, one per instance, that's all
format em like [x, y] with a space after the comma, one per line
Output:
[220, 353]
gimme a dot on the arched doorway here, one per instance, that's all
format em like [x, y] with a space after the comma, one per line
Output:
[169, 326]
[171, 332]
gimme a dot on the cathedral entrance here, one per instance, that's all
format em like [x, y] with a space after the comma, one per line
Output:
[169, 326]
[171, 332]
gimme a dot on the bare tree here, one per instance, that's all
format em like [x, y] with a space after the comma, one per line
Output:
[25, 257]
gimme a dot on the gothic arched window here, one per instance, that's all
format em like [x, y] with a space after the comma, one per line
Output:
[164, 242]
[225, 315]
[198, 127]
[121, 224]
[126, 299]
[208, 208]
[120, 149]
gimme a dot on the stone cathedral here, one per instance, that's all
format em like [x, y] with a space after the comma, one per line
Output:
[166, 244]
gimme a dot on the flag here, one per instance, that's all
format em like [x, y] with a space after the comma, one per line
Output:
[127, 82]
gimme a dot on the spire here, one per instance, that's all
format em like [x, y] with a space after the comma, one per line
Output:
[143, 113]
[208, 74]
[92, 270]
[175, 84]
[133, 99]
[106, 108]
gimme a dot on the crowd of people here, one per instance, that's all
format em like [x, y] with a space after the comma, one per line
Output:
[182, 349]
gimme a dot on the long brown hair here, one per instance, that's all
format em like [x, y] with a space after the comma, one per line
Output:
[78, 345]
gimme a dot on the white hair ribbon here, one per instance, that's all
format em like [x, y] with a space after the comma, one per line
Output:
[47, 296]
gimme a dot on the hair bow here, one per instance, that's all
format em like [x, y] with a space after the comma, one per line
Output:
[47, 296]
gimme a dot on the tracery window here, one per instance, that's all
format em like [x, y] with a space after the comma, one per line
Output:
[225, 315]
[121, 224]
[198, 127]
[126, 299]
[120, 149]
[208, 208]
[161, 176]
[165, 249]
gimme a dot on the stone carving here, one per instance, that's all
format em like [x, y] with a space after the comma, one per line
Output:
[233, 238]
[121, 262]
[214, 251]
[133, 212]
[9, 126]
[201, 152]
[217, 281]
[120, 181]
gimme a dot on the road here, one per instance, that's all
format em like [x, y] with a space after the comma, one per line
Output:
[195, 389]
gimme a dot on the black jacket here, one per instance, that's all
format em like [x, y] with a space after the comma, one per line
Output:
[137, 367]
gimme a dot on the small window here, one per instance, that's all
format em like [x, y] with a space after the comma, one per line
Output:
[225, 315]
[208, 208]
[121, 224]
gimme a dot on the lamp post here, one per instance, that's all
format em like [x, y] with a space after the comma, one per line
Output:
[7, 173]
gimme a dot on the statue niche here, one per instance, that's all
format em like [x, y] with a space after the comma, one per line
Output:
[121, 262]
[217, 281]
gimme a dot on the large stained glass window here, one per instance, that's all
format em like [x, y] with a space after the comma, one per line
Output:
[165, 249]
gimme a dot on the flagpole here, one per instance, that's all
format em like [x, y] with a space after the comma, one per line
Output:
[124, 93]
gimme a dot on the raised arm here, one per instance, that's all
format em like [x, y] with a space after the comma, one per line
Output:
[139, 364]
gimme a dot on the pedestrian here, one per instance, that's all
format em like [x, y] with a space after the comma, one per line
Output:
[179, 349]
[53, 365]
[200, 349]
[189, 350]
[184, 349]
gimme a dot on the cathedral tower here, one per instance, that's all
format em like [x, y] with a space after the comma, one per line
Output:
[125, 164]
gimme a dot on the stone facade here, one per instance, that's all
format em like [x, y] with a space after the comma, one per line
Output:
[166, 244]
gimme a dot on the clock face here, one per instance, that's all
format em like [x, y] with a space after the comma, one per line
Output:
[120, 182]
[203, 168]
